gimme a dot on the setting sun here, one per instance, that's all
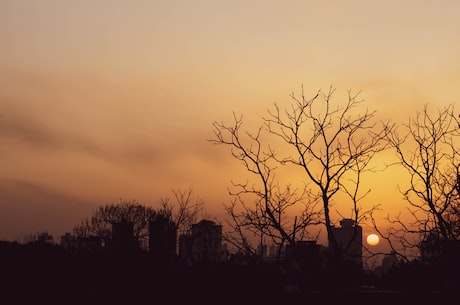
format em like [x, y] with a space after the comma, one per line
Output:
[373, 239]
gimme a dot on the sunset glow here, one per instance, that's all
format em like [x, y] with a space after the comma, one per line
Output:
[102, 100]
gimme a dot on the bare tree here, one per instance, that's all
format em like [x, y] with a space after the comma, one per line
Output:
[184, 209]
[332, 145]
[266, 216]
[427, 149]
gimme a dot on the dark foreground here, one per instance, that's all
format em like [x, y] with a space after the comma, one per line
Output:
[44, 278]
[113, 282]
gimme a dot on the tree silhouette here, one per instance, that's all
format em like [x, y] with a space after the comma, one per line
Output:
[183, 209]
[100, 223]
[182, 212]
[331, 145]
[266, 217]
[427, 148]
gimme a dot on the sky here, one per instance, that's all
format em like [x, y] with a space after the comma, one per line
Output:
[108, 100]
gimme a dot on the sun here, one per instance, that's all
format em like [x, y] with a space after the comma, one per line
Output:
[373, 239]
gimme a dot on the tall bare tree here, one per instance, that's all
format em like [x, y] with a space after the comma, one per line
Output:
[427, 148]
[265, 216]
[332, 145]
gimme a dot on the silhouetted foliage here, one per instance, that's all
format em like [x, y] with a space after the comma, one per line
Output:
[181, 212]
[101, 222]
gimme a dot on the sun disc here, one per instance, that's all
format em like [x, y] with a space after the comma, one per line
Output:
[373, 239]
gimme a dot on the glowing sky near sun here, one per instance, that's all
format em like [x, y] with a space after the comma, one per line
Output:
[102, 100]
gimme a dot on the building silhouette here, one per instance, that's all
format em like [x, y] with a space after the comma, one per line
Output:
[77, 245]
[389, 262]
[123, 241]
[262, 251]
[203, 244]
[349, 238]
[444, 256]
[276, 251]
[304, 250]
[307, 254]
[162, 239]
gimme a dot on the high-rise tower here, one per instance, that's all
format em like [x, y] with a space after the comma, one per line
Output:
[349, 238]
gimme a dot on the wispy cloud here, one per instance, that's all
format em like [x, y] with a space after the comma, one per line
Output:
[29, 207]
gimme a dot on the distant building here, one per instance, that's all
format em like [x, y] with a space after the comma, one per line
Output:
[303, 249]
[349, 238]
[262, 251]
[302, 265]
[204, 244]
[162, 239]
[80, 245]
[389, 262]
[123, 237]
[276, 251]
[307, 254]
[443, 254]
[45, 237]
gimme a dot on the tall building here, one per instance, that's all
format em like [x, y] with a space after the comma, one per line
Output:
[123, 237]
[349, 238]
[162, 239]
[204, 244]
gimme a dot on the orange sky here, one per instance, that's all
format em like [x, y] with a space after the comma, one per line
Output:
[102, 100]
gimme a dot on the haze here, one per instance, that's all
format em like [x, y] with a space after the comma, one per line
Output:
[102, 100]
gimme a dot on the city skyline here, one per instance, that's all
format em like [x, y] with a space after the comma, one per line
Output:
[108, 100]
[120, 267]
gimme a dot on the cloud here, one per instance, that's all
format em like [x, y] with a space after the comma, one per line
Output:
[23, 129]
[26, 129]
[29, 207]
